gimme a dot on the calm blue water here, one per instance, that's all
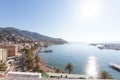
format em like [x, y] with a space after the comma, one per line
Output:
[85, 59]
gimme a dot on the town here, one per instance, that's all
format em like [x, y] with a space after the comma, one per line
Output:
[109, 46]
[21, 61]
[19, 57]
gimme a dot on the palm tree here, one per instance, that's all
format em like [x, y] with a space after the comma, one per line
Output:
[105, 75]
[69, 67]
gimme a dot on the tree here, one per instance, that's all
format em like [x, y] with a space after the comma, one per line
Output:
[57, 70]
[37, 58]
[2, 66]
[69, 67]
[29, 63]
[36, 68]
[105, 75]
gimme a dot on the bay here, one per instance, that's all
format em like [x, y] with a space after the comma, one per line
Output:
[86, 59]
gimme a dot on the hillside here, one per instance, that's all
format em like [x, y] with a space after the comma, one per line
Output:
[17, 35]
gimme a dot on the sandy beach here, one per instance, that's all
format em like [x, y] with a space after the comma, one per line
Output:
[45, 67]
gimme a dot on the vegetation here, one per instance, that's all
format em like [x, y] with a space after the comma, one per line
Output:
[29, 61]
[2, 66]
[37, 69]
[105, 75]
[37, 58]
[57, 70]
[32, 61]
[69, 67]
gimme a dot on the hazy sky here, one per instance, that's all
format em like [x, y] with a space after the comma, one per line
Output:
[74, 20]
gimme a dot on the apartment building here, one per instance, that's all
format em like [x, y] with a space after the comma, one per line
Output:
[3, 55]
[11, 49]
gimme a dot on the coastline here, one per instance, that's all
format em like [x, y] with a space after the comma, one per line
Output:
[43, 66]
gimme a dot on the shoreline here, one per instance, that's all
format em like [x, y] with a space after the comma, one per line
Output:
[43, 66]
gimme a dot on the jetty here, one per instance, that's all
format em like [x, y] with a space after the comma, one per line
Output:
[47, 51]
[115, 66]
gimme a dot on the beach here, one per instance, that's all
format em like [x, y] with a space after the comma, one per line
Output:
[43, 66]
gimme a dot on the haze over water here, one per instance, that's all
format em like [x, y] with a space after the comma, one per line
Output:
[85, 59]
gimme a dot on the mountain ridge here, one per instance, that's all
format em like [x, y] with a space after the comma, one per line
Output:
[17, 35]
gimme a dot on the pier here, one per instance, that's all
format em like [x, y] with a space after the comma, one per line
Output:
[115, 66]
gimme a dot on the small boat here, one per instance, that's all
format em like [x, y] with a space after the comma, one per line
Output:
[47, 51]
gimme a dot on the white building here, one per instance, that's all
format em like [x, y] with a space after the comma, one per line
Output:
[3, 55]
[24, 74]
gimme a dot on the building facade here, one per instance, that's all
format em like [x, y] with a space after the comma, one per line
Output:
[3, 55]
[24, 75]
[11, 49]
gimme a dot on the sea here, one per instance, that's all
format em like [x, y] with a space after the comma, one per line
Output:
[86, 59]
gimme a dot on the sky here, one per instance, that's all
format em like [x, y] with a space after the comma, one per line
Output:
[72, 20]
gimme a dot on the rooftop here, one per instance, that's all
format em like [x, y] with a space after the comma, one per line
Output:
[24, 73]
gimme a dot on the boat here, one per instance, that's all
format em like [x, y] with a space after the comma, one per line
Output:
[47, 51]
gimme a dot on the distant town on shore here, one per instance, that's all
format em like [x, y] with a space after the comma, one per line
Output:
[109, 46]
